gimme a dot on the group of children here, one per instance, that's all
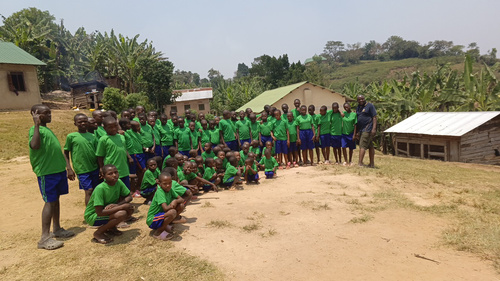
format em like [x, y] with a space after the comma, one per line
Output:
[168, 161]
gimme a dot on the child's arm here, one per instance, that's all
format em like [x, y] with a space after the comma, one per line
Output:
[71, 173]
[100, 161]
[272, 135]
[102, 211]
[298, 134]
[287, 137]
[35, 139]
[221, 136]
[314, 132]
[207, 182]
[260, 139]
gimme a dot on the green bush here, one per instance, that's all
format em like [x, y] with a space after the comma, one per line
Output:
[113, 99]
[134, 99]
[209, 116]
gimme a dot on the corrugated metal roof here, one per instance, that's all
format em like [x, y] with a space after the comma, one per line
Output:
[443, 123]
[12, 54]
[195, 95]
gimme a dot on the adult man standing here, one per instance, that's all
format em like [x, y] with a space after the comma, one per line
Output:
[366, 128]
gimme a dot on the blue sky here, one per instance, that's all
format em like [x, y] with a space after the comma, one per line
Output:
[199, 35]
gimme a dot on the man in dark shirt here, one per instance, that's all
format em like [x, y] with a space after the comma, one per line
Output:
[366, 128]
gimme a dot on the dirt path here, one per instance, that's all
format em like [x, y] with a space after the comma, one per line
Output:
[296, 227]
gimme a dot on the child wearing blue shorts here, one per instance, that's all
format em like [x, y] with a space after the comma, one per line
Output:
[323, 132]
[232, 175]
[49, 165]
[281, 139]
[349, 121]
[148, 184]
[306, 133]
[251, 171]
[336, 132]
[270, 164]
[292, 134]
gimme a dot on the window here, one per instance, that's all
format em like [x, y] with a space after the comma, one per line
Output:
[187, 106]
[201, 106]
[16, 82]
[173, 108]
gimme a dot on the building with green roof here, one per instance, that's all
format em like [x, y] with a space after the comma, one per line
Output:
[308, 93]
[19, 88]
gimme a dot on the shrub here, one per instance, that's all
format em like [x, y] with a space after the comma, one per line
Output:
[134, 99]
[113, 99]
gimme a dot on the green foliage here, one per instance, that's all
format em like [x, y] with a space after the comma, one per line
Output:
[114, 99]
[231, 94]
[209, 116]
[155, 79]
[134, 99]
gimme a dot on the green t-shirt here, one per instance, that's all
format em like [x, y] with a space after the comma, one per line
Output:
[149, 178]
[231, 171]
[292, 130]
[228, 129]
[133, 142]
[191, 176]
[215, 136]
[104, 195]
[180, 175]
[209, 173]
[147, 136]
[195, 137]
[243, 128]
[279, 130]
[295, 113]
[243, 156]
[113, 149]
[336, 124]
[197, 126]
[324, 121]
[167, 134]
[82, 148]
[157, 134]
[269, 164]
[178, 188]
[304, 122]
[254, 129]
[48, 159]
[265, 128]
[348, 122]
[183, 137]
[254, 167]
[159, 198]
[99, 132]
[206, 155]
[225, 162]
[255, 150]
[271, 119]
[205, 137]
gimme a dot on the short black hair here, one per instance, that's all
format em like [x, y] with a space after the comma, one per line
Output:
[107, 167]
[39, 107]
[171, 162]
[78, 115]
[108, 120]
[165, 174]
[123, 121]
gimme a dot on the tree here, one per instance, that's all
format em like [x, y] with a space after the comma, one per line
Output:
[333, 49]
[155, 80]
[113, 99]
[243, 71]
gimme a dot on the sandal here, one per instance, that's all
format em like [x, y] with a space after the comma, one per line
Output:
[102, 241]
[63, 233]
[295, 164]
[288, 165]
[123, 225]
[50, 244]
[164, 236]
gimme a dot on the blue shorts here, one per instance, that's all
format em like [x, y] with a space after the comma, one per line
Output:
[149, 155]
[306, 141]
[165, 149]
[185, 152]
[324, 141]
[126, 181]
[158, 150]
[139, 163]
[229, 182]
[336, 141]
[158, 220]
[89, 180]
[101, 221]
[207, 187]
[148, 191]
[317, 144]
[281, 146]
[265, 139]
[52, 186]
[348, 142]
[251, 177]
[233, 145]
[244, 141]
[292, 148]
[269, 175]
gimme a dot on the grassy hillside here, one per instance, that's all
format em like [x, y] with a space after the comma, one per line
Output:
[370, 71]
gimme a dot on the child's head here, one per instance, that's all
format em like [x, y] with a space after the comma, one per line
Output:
[192, 126]
[322, 110]
[171, 171]
[347, 107]
[124, 123]
[254, 143]
[125, 114]
[252, 117]
[153, 114]
[180, 159]
[311, 109]
[211, 124]
[185, 158]
[105, 114]
[180, 122]
[221, 155]
[289, 116]
[267, 108]
[152, 165]
[245, 147]
[201, 116]
[217, 120]
[199, 161]
[218, 163]
[193, 153]
[226, 149]
[138, 110]
[263, 116]
[158, 160]
[187, 167]
[249, 161]
[204, 123]
[242, 115]
[248, 111]
[187, 113]
[175, 120]
[303, 110]
[277, 114]
[110, 126]
[335, 107]
[110, 174]
[172, 151]
[207, 147]
[271, 111]
[142, 118]
[173, 113]
[132, 113]
[163, 119]
[171, 162]
[43, 111]
[269, 145]
[238, 157]
[233, 161]
[97, 115]
[209, 162]
[234, 116]
[251, 155]
[165, 181]
[151, 121]
[229, 154]
[267, 153]
[135, 126]
[216, 150]
[296, 103]
[81, 122]
[113, 114]
[284, 107]
[91, 125]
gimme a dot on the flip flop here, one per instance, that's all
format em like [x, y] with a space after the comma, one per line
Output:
[101, 241]
[50, 244]
[63, 233]
[123, 225]
[164, 236]
[132, 219]
[181, 220]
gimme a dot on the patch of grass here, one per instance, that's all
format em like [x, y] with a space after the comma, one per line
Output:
[354, 201]
[322, 207]
[269, 233]
[361, 219]
[251, 227]
[207, 204]
[283, 213]
[315, 206]
[219, 224]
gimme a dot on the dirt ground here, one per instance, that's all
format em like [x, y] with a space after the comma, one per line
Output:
[300, 226]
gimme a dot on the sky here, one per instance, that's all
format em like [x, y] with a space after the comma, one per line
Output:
[199, 35]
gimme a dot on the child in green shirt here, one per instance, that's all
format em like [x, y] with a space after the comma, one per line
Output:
[208, 152]
[108, 206]
[214, 132]
[270, 164]
[182, 138]
[306, 133]
[349, 121]
[336, 132]
[281, 139]
[204, 134]
[254, 127]
[148, 184]
[323, 132]
[251, 171]
[210, 174]
[82, 146]
[232, 175]
[315, 118]
[292, 133]
[49, 165]
[255, 148]
[243, 130]
[167, 135]
[147, 136]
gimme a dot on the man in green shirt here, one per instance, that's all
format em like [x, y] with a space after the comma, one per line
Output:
[47, 161]
[228, 130]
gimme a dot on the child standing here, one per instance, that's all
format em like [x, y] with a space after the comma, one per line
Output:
[265, 128]
[167, 135]
[133, 142]
[204, 135]
[228, 130]
[214, 132]
[292, 133]
[349, 121]
[270, 164]
[305, 131]
[336, 132]
[147, 138]
[47, 161]
[98, 117]
[281, 139]
[148, 185]
[254, 127]
[315, 119]
[82, 146]
[195, 137]
[323, 132]
[182, 138]
[243, 129]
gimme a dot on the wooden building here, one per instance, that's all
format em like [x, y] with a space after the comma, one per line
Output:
[19, 88]
[88, 94]
[308, 93]
[471, 137]
[197, 99]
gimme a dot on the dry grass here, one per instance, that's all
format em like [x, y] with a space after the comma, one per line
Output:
[252, 227]
[207, 204]
[219, 224]
[361, 219]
